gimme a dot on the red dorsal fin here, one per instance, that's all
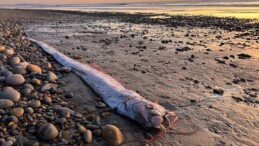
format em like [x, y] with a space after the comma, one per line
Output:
[95, 66]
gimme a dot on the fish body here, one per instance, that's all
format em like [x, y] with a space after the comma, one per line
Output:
[126, 102]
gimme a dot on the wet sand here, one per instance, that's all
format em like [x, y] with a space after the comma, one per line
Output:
[203, 70]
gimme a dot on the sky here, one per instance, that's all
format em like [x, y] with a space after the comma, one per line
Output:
[73, 1]
[97, 1]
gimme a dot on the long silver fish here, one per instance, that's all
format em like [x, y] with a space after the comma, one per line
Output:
[126, 102]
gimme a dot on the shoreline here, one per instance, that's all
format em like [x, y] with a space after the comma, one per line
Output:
[227, 23]
[185, 68]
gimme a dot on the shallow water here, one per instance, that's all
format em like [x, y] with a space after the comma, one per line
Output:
[219, 9]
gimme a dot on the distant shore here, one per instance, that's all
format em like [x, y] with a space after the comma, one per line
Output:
[205, 69]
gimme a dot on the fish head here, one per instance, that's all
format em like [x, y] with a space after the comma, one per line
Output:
[158, 117]
[155, 116]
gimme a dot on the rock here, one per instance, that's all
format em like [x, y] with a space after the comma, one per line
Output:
[11, 139]
[29, 110]
[64, 69]
[19, 70]
[47, 87]
[63, 110]
[15, 61]
[2, 48]
[2, 140]
[33, 68]
[2, 112]
[46, 65]
[35, 104]
[97, 132]
[88, 137]
[61, 121]
[2, 79]
[100, 105]
[47, 100]
[26, 91]
[69, 95]
[244, 56]
[12, 119]
[7, 73]
[24, 64]
[51, 77]
[36, 81]
[28, 86]
[17, 112]
[7, 143]
[81, 129]
[48, 132]
[112, 134]
[11, 94]
[15, 79]
[92, 126]
[9, 52]
[31, 143]
[218, 90]
[65, 133]
[6, 103]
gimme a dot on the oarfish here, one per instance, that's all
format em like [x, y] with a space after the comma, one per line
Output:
[125, 102]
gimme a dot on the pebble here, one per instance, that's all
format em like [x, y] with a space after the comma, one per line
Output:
[11, 94]
[19, 70]
[218, 90]
[112, 135]
[97, 132]
[24, 64]
[36, 81]
[11, 139]
[2, 112]
[100, 105]
[12, 119]
[31, 143]
[33, 68]
[62, 110]
[15, 79]
[47, 87]
[69, 95]
[81, 129]
[2, 79]
[48, 132]
[47, 65]
[88, 137]
[61, 121]
[29, 110]
[47, 100]
[26, 91]
[9, 52]
[64, 69]
[65, 134]
[17, 112]
[7, 143]
[14, 61]
[28, 86]
[7, 73]
[2, 48]
[51, 77]
[35, 104]
[92, 127]
[6, 103]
